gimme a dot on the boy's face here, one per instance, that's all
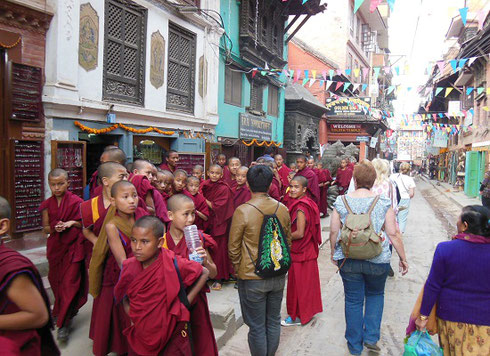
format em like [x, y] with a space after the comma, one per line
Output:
[147, 171]
[343, 163]
[241, 177]
[184, 216]
[279, 161]
[319, 166]
[197, 173]
[118, 174]
[154, 174]
[311, 163]
[193, 187]
[126, 200]
[169, 182]
[173, 159]
[160, 183]
[180, 182]
[233, 166]
[221, 160]
[144, 245]
[300, 164]
[296, 190]
[58, 185]
[215, 174]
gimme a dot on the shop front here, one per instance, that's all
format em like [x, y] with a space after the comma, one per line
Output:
[477, 159]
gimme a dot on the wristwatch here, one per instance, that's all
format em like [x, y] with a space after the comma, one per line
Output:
[423, 317]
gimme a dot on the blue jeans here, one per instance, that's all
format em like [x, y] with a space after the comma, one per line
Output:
[403, 214]
[364, 288]
[260, 300]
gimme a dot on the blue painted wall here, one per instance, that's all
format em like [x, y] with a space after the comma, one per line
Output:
[229, 114]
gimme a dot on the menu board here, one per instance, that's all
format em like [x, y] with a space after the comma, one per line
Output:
[187, 161]
[28, 179]
[25, 92]
[70, 155]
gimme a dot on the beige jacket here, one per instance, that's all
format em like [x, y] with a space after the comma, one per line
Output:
[245, 230]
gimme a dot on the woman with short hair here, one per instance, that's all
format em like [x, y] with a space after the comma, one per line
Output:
[406, 187]
[364, 280]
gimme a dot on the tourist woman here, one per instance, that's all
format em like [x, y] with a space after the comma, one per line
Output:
[406, 187]
[459, 285]
[364, 280]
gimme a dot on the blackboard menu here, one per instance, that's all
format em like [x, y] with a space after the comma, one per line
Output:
[187, 161]
[25, 92]
[70, 156]
[28, 178]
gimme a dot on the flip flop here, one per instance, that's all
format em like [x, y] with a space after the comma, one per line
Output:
[216, 286]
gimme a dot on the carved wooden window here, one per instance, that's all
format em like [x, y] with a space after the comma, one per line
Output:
[233, 86]
[256, 96]
[273, 101]
[124, 51]
[181, 69]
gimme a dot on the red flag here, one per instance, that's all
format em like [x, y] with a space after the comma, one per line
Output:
[339, 84]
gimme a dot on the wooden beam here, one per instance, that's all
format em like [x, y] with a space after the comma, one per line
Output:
[298, 28]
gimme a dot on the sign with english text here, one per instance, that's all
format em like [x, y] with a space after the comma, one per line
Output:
[347, 106]
[252, 126]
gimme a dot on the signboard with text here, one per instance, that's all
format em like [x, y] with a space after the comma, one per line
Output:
[345, 128]
[347, 106]
[252, 126]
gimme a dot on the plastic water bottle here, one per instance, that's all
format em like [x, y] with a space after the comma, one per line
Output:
[193, 241]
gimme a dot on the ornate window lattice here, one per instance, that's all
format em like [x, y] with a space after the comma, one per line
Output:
[256, 95]
[273, 101]
[124, 51]
[181, 69]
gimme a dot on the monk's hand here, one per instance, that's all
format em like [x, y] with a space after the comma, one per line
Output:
[202, 253]
[60, 226]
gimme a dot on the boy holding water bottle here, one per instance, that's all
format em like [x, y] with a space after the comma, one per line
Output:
[181, 211]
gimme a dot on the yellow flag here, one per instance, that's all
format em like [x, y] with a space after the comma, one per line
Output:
[488, 91]
[313, 74]
[448, 90]
[356, 72]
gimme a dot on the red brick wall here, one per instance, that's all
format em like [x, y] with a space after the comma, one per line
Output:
[32, 45]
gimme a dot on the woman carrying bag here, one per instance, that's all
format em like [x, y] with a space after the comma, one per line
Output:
[406, 186]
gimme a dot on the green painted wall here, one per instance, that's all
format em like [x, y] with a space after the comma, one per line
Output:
[229, 114]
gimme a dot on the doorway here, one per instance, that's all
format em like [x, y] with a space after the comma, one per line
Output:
[95, 147]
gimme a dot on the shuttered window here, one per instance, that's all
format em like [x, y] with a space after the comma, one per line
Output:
[233, 86]
[181, 69]
[256, 96]
[273, 101]
[124, 51]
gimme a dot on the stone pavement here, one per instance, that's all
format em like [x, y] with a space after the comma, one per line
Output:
[456, 196]
[325, 334]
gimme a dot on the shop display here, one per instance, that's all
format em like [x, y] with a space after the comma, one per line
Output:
[70, 155]
[25, 91]
[187, 161]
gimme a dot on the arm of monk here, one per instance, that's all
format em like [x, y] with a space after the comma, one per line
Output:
[237, 229]
[89, 235]
[115, 244]
[196, 288]
[300, 226]
[45, 221]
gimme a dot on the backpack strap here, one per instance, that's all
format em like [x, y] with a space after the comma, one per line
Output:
[349, 210]
[182, 292]
[373, 205]
[260, 211]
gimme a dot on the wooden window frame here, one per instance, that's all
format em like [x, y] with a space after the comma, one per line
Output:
[273, 108]
[232, 76]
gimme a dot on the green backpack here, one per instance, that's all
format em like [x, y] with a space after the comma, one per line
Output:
[358, 239]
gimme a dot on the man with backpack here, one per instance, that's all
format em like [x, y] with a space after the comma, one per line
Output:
[259, 249]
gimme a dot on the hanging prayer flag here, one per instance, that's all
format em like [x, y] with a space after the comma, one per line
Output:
[254, 72]
[306, 73]
[357, 5]
[374, 4]
[348, 71]
[469, 90]
[391, 4]
[454, 64]
[390, 89]
[305, 80]
[409, 88]
[291, 73]
[376, 72]
[463, 12]
[488, 91]
[441, 115]
[339, 84]
[346, 86]
[441, 65]
[387, 69]
[462, 62]
[330, 73]
[324, 74]
[322, 83]
[481, 18]
[355, 87]
[470, 62]
[397, 70]
[364, 86]
[365, 72]
[313, 74]
[338, 71]
[312, 80]
[329, 82]
[485, 108]
[448, 90]
[438, 90]
[479, 90]
[356, 72]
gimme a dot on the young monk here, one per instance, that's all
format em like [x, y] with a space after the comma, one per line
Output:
[67, 275]
[111, 249]
[307, 172]
[241, 193]
[292, 166]
[304, 298]
[25, 320]
[150, 286]
[275, 187]
[233, 165]
[325, 179]
[164, 183]
[219, 198]
[226, 170]
[170, 162]
[180, 182]
[181, 211]
[344, 175]
[142, 176]
[198, 172]
[202, 209]
[111, 154]
[283, 172]
[94, 210]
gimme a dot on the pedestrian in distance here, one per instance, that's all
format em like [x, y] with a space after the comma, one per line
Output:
[485, 189]
[308, 173]
[156, 288]
[344, 176]
[364, 279]
[260, 297]
[406, 186]
[458, 286]
[25, 320]
[65, 252]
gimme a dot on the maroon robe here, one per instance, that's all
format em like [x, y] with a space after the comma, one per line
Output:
[241, 195]
[322, 179]
[30, 342]
[108, 318]
[221, 196]
[275, 190]
[313, 188]
[94, 186]
[343, 179]
[202, 329]
[201, 206]
[155, 309]
[165, 167]
[284, 175]
[93, 215]
[304, 298]
[65, 252]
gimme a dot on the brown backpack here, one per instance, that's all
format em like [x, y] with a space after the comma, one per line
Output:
[358, 239]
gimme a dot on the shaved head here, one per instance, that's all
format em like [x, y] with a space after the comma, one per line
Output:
[108, 169]
[180, 172]
[303, 157]
[221, 155]
[243, 169]
[301, 180]
[176, 201]
[140, 164]
[113, 154]
[277, 156]
[193, 179]
[58, 172]
[5, 212]
[215, 166]
[166, 173]
[110, 147]
[234, 159]
[199, 167]
[151, 223]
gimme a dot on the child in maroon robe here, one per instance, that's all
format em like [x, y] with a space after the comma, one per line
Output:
[94, 210]
[150, 289]
[221, 161]
[202, 209]
[64, 250]
[111, 154]
[325, 180]
[164, 184]
[170, 162]
[25, 321]
[111, 249]
[198, 172]
[304, 298]
[142, 177]
[180, 182]
[241, 193]
[233, 165]
[307, 172]
[344, 175]
[180, 211]
[219, 198]
[283, 172]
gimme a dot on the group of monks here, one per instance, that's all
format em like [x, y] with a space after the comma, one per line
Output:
[125, 245]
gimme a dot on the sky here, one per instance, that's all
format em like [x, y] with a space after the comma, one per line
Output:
[418, 45]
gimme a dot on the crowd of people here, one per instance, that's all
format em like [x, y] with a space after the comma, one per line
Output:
[258, 226]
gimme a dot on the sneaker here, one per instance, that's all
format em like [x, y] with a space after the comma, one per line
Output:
[373, 347]
[63, 334]
[290, 322]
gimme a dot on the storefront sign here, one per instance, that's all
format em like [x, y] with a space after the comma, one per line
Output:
[255, 127]
[362, 138]
[374, 142]
[440, 139]
[345, 128]
[348, 106]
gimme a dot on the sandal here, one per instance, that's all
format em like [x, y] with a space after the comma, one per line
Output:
[216, 286]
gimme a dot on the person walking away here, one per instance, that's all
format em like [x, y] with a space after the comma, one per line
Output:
[406, 186]
[459, 286]
[485, 189]
[364, 279]
[344, 176]
[260, 297]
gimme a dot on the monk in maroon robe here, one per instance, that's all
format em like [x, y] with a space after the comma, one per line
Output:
[170, 162]
[202, 209]
[307, 172]
[219, 198]
[283, 172]
[111, 154]
[275, 189]
[149, 288]
[64, 250]
[344, 175]
[241, 193]
[25, 342]
[303, 299]
[231, 169]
